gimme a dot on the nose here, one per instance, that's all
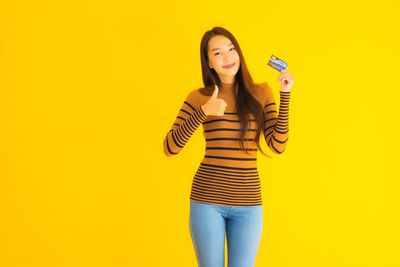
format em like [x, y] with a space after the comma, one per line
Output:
[228, 60]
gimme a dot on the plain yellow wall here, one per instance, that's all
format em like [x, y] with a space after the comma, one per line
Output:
[89, 90]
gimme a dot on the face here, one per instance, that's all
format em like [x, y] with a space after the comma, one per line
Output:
[223, 57]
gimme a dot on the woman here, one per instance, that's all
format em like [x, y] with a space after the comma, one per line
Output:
[225, 196]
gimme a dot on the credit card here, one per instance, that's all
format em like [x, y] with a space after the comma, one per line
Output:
[277, 63]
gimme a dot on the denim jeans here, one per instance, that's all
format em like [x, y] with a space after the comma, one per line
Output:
[208, 224]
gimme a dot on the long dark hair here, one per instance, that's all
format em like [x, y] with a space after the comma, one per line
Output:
[245, 102]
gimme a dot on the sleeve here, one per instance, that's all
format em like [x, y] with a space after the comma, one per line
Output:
[187, 121]
[276, 126]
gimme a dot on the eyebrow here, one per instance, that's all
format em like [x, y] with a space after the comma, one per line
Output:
[219, 48]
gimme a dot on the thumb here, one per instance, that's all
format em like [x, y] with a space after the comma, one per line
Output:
[215, 94]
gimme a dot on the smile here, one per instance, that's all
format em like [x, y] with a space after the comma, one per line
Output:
[229, 66]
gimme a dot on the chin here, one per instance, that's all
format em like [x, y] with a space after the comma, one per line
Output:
[232, 72]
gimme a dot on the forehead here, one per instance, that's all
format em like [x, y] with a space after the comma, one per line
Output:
[218, 41]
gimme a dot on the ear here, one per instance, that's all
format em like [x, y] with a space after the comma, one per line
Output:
[209, 65]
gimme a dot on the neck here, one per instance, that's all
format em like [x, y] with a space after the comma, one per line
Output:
[228, 87]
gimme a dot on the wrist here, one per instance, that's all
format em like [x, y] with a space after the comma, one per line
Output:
[204, 110]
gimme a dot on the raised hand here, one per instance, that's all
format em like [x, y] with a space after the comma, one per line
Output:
[214, 106]
[286, 81]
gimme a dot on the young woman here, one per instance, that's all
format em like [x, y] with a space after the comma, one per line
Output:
[225, 196]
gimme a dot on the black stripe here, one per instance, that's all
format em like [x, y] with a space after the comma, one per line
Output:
[227, 167]
[233, 113]
[213, 180]
[231, 158]
[227, 176]
[251, 204]
[282, 123]
[270, 119]
[272, 126]
[207, 168]
[228, 129]
[268, 133]
[279, 141]
[284, 132]
[229, 148]
[272, 145]
[187, 103]
[185, 111]
[230, 139]
[210, 121]
[169, 149]
[225, 197]
[282, 117]
[269, 104]
[281, 128]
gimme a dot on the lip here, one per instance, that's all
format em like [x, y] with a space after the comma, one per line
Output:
[229, 66]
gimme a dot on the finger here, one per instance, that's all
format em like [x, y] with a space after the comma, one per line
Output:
[284, 76]
[215, 93]
[281, 74]
[283, 80]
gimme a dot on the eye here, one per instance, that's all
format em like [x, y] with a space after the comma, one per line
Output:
[216, 54]
[233, 48]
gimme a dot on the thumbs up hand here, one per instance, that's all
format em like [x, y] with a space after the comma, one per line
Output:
[214, 106]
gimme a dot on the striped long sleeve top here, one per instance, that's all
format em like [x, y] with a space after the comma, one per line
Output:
[227, 175]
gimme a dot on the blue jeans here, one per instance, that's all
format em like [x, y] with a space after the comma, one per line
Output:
[208, 224]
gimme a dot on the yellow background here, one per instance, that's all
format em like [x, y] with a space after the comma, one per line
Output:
[89, 90]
